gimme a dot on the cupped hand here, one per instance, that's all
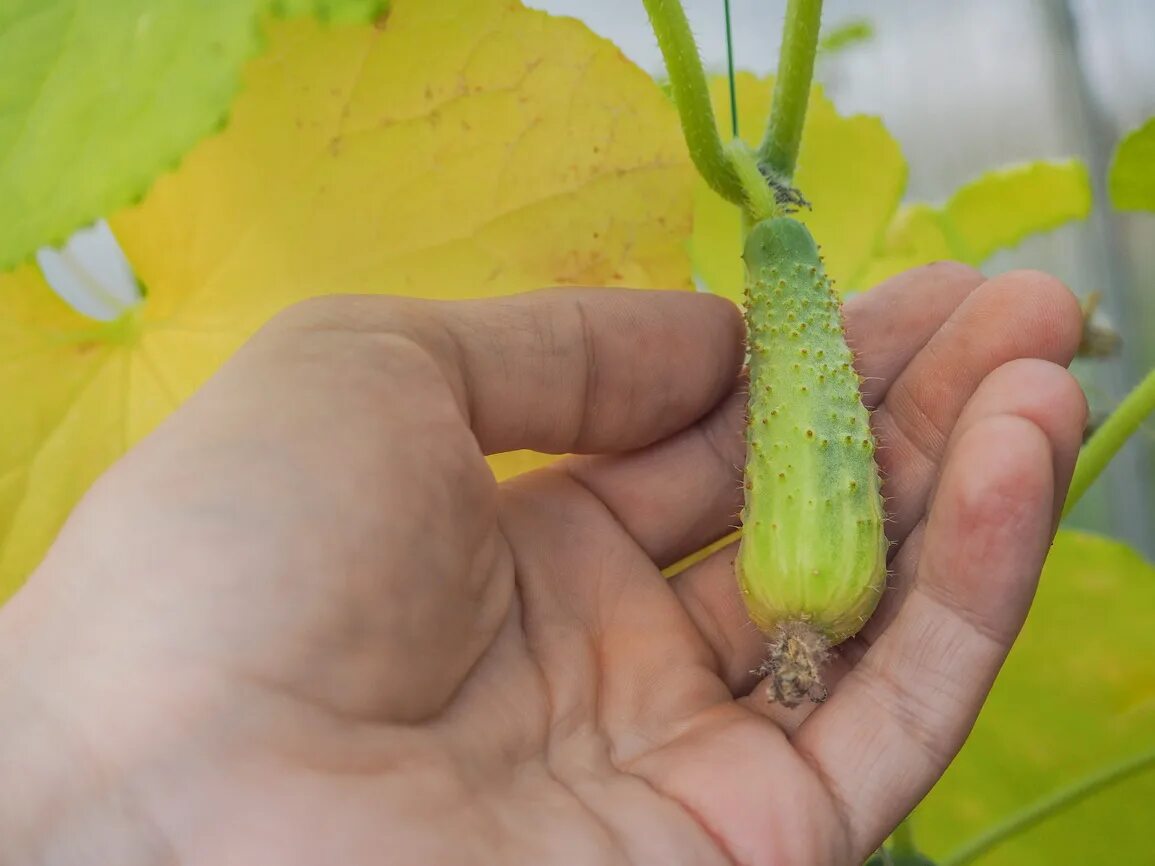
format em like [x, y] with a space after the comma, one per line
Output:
[302, 624]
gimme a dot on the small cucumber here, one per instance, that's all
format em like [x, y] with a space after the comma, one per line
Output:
[812, 561]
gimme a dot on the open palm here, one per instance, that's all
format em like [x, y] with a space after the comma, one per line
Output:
[301, 623]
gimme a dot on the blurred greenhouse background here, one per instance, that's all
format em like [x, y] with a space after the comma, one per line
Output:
[965, 87]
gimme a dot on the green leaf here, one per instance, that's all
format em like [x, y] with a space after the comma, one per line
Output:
[845, 35]
[98, 99]
[916, 236]
[995, 211]
[1131, 179]
[331, 10]
[1002, 207]
[1076, 695]
[890, 858]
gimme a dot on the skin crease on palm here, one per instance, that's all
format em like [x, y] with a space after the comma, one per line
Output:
[301, 624]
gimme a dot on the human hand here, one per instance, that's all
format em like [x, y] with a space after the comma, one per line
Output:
[301, 624]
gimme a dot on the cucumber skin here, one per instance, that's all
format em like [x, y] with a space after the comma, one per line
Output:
[813, 547]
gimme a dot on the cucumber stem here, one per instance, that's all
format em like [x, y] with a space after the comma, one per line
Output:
[1050, 806]
[1109, 438]
[779, 149]
[692, 97]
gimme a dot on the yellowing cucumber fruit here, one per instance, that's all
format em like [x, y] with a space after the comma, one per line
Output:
[812, 560]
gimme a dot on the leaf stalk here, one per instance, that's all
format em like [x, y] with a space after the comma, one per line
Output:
[1110, 438]
[779, 149]
[692, 97]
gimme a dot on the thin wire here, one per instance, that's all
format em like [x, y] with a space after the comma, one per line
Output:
[730, 70]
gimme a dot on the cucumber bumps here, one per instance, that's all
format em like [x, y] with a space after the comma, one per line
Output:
[812, 561]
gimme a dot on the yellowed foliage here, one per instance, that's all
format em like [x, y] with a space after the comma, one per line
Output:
[462, 148]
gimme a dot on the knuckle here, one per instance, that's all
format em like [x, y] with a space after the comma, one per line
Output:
[1041, 288]
[317, 312]
[342, 312]
[1046, 310]
[365, 336]
[949, 270]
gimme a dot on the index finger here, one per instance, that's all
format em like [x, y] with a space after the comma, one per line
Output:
[584, 370]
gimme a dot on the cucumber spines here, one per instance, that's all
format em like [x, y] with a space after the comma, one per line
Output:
[812, 562]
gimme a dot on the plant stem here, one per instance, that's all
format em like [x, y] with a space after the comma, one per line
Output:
[1050, 806]
[902, 839]
[688, 83]
[1109, 438]
[779, 149]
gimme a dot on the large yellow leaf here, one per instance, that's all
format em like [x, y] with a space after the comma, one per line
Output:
[849, 168]
[459, 149]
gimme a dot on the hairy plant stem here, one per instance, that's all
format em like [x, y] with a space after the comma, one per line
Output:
[1050, 806]
[1110, 437]
[688, 83]
[779, 149]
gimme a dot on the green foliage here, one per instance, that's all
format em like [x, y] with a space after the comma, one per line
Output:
[98, 99]
[1077, 694]
[331, 10]
[892, 858]
[845, 35]
[1131, 180]
[995, 211]
[1000, 208]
